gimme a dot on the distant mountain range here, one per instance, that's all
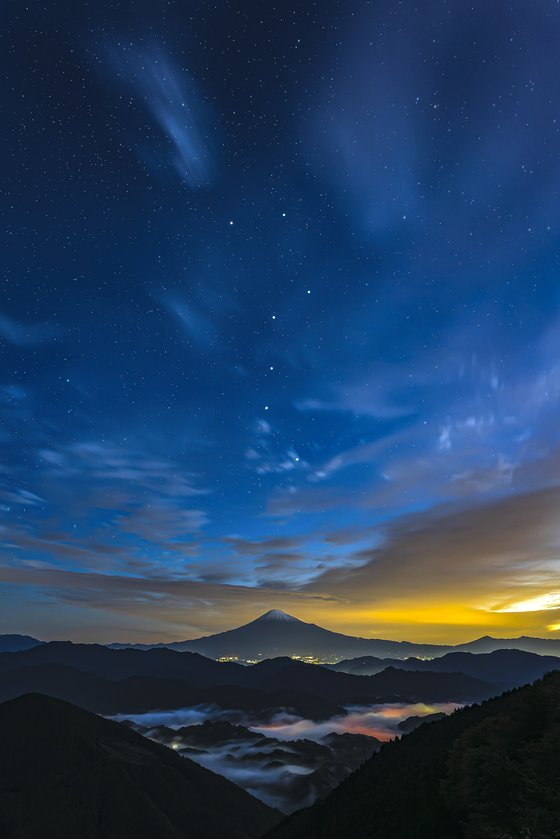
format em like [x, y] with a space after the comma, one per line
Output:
[278, 634]
[503, 668]
[16, 643]
[66, 773]
[486, 771]
[109, 681]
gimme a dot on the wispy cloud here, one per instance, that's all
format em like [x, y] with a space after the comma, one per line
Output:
[373, 394]
[183, 607]
[161, 522]
[100, 505]
[197, 325]
[167, 92]
[267, 453]
[463, 562]
[25, 334]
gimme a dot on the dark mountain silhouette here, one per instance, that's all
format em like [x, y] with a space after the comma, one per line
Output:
[118, 664]
[281, 674]
[503, 668]
[138, 694]
[367, 665]
[66, 773]
[15, 643]
[278, 634]
[485, 772]
[390, 685]
[487, 644]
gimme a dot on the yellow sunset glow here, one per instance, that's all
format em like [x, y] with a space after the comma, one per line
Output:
[540, 603]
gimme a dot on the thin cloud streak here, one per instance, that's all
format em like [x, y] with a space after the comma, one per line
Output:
[169, 95]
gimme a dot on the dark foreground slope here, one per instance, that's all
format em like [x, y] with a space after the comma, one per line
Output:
[66, 773]
[487, 772]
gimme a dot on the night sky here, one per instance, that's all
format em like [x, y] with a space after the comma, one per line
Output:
[280, 317]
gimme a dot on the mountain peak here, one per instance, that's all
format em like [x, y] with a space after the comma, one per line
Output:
[277, 615]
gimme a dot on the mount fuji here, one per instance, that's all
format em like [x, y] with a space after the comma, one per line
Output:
[277, 634]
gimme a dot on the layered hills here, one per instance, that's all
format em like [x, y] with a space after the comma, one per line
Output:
[503, 668]
[134, 680]
[252, 716]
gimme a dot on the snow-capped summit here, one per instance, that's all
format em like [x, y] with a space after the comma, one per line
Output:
[277, 615]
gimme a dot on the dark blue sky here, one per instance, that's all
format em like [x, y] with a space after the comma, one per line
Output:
[280, 316]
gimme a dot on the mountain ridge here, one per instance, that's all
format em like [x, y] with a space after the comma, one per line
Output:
[275, 633]
[14, 643]
[489, 770]
[180, 673]
[98, 779]
[508, 668]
